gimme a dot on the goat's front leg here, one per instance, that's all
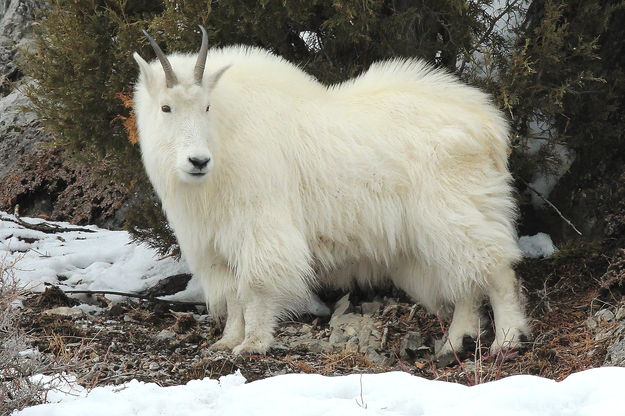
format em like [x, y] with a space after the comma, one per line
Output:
[260, 313]
[234, 330]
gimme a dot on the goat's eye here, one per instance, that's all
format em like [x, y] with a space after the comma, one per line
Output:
[207, 107]
[166, 109]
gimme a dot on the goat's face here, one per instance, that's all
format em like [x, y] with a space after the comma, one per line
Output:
[182, 131]
[177, 115]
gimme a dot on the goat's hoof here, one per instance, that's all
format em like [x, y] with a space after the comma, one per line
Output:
[458, 350]
[223, 345]
[251, 347]
[518, 342]
[468, 344]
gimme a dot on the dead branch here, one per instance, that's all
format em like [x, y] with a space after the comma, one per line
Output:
[133, 295]
[530, 187]
[44, 227]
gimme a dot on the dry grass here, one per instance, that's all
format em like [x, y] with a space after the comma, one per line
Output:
[17, 361]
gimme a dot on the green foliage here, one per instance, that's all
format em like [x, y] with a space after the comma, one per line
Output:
[560, 70]
[560, 84]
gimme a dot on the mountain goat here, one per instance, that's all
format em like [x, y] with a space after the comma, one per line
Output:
[275, 185]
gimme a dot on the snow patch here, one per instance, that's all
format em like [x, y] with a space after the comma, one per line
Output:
[98, 260]
[537, 246]
[592, 392]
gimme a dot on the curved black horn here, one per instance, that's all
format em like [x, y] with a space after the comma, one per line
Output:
[170, 77]
[198, 72]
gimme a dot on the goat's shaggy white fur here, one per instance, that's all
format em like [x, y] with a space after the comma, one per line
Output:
[398, 174]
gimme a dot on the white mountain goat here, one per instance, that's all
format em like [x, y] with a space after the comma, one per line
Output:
[275, 184]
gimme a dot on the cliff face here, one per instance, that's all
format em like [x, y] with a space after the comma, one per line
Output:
[19, 131]
[42, 180]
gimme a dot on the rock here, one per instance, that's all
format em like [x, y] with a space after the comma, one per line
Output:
[319, 346]
[154, 366]
[378, 359]
[169, 285]
[165, 334]
[337, 337]
[352, 345]
[591, 323]
[19, 130]
[370, 308]
[64, 311]
[604, 315]
[411, 345]
[353, 332]
[616, 352]
[341, 307]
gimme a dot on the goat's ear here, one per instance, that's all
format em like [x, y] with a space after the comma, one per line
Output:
[212, 79]
[144, 68]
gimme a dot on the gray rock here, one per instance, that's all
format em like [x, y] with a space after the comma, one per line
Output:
[318, 346]
[165, 334]
[353, 332]
[604, 315]
[341, 307]
[154, 366]
[19, 130]
[591, 322]
[337, 337]
[370, 308]
[616, 352]
[410, 345]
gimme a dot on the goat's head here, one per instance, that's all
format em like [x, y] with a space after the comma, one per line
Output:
[175, 110]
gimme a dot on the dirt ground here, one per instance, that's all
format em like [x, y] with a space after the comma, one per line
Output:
[126, 342]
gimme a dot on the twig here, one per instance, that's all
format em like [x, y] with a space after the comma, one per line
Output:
[44, 227]
[133, 295]
[362, 400]
[552, 206]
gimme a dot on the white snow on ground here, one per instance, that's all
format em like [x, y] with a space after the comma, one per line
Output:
[593, 392]
[537, 246]
[102, 260]
[108, 260]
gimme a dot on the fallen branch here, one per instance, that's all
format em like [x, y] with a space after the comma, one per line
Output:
[133, 295]
[44, 227]
[552, 206]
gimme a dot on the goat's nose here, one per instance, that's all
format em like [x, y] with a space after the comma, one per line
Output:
[199, 163]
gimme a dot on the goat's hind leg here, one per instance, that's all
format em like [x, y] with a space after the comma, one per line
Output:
[511, 328]
[465, 323]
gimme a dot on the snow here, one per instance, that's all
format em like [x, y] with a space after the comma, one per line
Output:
[99, 260]
[537, 246]
[592, 392]
[109, 260]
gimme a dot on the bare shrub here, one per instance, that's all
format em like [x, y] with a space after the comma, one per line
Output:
[18, 362]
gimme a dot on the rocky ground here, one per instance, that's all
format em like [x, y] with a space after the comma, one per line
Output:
[576, 308]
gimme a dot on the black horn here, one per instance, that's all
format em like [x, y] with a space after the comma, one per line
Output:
[170, 77]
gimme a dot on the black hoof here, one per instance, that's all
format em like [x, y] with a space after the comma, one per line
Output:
[468, 344]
